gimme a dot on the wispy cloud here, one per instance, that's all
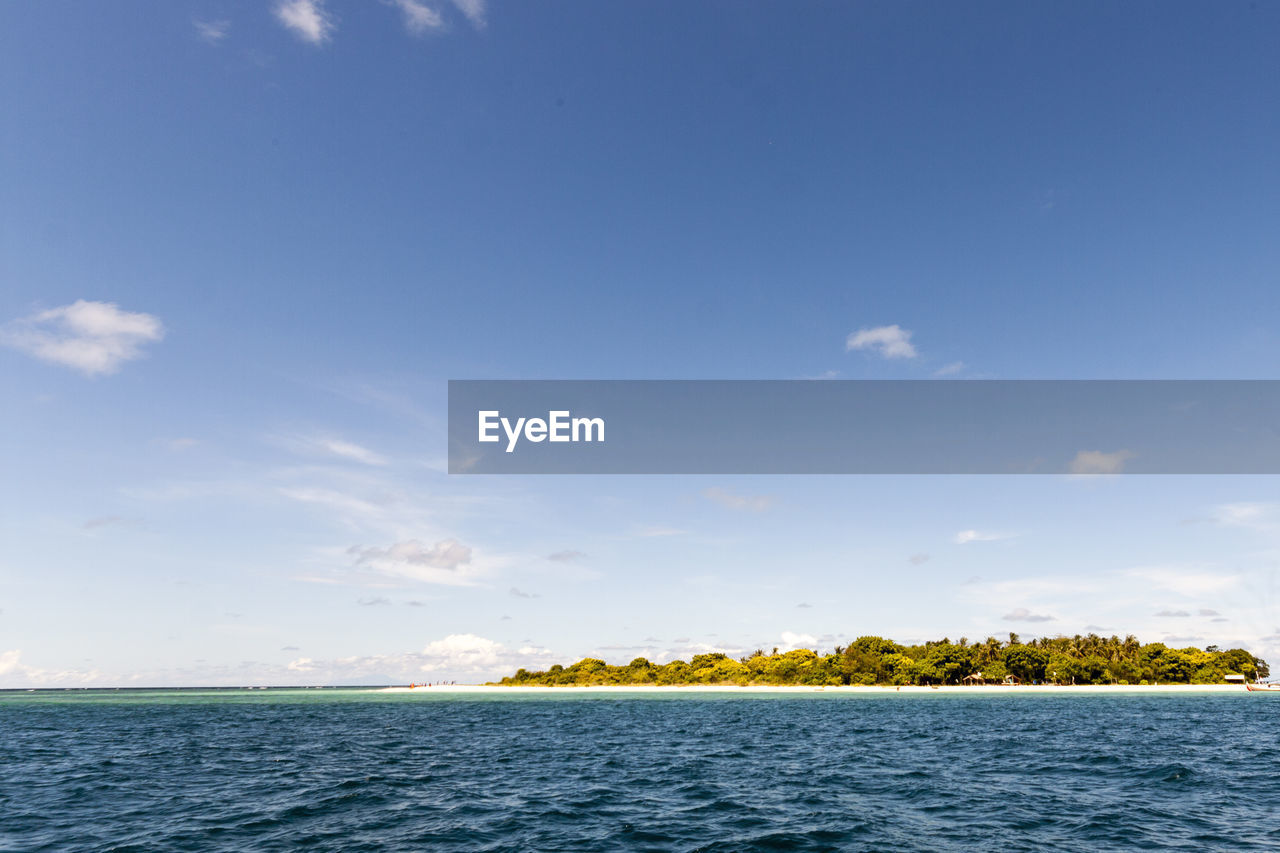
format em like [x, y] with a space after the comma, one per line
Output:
[92, 337]
[334, 500]
[566, 556]
[964, 537]
[1260, 516]
[101, 521]
[886, 341]
[348, 450]
[212, 32]
[949, 369]
[918, 559]
[306, 19]
[1191, 584]
[419, 18]
[441, 563]
[1091, 462]
[652, 532]
[519, 593]
[1172, 614]
[305, 444]
[741, 503]
[474, 11]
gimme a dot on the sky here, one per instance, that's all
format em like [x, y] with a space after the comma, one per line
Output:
[244, 245]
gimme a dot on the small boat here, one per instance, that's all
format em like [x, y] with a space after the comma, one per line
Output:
[1259, 687]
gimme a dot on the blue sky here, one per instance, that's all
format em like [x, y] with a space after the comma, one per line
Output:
[244, 245]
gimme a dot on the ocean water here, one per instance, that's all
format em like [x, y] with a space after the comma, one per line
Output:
[356, 770]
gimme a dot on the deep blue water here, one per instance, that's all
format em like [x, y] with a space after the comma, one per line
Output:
[350, 770]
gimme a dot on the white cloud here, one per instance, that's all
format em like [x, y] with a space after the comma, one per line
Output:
[1022, 614]
[440, 563]
[212, 31]
[462, 652]
[92, 337]
[1088, 462]
[418, 17]
[307, 19]
[964, 537]
[792, 640]
[473, 10]
[949, 369]
[15, 673]
[566, 556]
[9, 661]
[888, 341]
[742, 503]
[462, 657]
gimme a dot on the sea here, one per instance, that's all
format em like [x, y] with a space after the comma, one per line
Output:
[363, 770]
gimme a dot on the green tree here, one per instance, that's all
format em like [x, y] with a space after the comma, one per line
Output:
[1026, 662]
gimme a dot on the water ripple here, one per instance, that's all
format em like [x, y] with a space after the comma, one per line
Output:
[359, 771]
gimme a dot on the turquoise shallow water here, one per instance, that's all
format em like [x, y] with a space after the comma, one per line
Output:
[358, 770]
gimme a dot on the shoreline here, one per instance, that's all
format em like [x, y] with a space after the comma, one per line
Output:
[951, 689]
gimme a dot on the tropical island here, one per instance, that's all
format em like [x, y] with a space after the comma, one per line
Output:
[872, 661]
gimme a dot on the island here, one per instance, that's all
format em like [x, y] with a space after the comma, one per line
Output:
[877, 661]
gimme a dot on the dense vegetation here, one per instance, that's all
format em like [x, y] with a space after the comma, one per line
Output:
[874, 660]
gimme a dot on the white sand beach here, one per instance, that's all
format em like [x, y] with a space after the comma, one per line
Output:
[1020, 690]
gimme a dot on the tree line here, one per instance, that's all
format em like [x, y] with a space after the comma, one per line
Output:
[1088, 659]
